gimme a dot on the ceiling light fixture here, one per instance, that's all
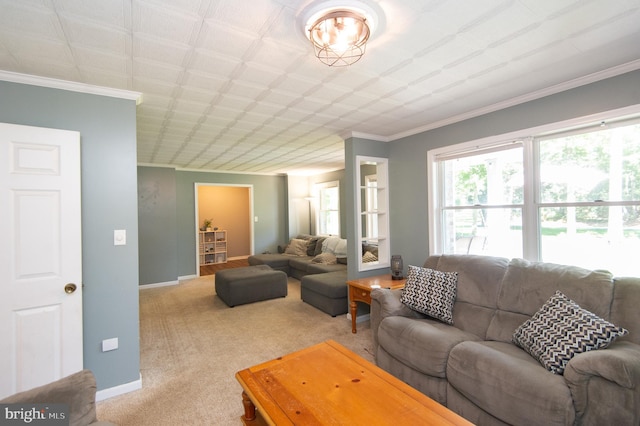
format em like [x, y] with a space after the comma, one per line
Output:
[339, 38]
[339, 30]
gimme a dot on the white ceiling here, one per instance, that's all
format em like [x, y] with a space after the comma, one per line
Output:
[233, 85]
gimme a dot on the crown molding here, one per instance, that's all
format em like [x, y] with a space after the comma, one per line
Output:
[552, 90]
[361, 135]
[71, 86]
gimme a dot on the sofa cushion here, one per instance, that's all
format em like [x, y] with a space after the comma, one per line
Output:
[560, 330]
[503, 380]
[319, 268]
[300, 263]
[479, 280]
[325, 259]
[297, 247]
[422, 344]
[431, 292]
[332, 284]
[528, 285]
[276, 261]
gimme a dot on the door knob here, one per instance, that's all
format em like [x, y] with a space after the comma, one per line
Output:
[70, 288]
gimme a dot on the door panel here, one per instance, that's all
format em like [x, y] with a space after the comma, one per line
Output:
[40, 323]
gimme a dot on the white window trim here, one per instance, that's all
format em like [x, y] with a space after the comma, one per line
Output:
[531, 249]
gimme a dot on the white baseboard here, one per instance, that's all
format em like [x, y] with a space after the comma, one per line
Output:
[164, 284]
[187, 277]
[103, 394]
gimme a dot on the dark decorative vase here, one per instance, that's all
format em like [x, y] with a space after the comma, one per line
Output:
[396, 267]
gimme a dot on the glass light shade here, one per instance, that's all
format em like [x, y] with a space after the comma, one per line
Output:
[396, 267]
[339, 38]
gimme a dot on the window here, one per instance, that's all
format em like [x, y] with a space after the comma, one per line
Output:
[565, 197]
[328, 208]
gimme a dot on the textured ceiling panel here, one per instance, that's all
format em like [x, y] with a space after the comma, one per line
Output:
[234, 86]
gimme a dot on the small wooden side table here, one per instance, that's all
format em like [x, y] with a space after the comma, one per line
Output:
[360, 291]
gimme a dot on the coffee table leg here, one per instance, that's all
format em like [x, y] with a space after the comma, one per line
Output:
[354, 313]
[249, 408]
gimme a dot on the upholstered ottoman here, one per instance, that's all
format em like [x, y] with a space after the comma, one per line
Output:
[238, 286]
[327, 292]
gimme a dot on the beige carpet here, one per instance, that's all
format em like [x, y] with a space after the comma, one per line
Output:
[192, 345]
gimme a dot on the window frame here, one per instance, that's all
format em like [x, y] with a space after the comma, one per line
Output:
[532, 244]
[319, 188]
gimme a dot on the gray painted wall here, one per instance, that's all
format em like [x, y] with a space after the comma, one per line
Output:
[408, 156]
[107, 128]
[157, 225]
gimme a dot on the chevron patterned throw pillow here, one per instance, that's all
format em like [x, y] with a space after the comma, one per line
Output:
[431, 292]
[562, 329]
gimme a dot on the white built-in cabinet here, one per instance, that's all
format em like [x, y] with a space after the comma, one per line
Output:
[212, 247]
[372, 199]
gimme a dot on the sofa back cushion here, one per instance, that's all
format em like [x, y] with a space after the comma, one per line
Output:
[479, 279]
[528, 285]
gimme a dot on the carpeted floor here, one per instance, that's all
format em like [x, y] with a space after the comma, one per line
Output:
[192, 345]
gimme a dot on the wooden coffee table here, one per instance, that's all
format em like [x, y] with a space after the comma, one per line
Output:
[328, 384]
[360, 291]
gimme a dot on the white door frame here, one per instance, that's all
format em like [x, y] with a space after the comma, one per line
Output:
[197, 186]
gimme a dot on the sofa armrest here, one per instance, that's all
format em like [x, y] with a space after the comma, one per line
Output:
[605, 385]
[77, 390]
[386, 303]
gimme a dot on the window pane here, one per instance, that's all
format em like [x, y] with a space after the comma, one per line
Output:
[330, 222]
[495, 232]
[492, 178]
[329, 198]
[600, 165]
[592, 237]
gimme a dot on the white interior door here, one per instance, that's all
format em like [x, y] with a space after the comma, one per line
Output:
[40, 256]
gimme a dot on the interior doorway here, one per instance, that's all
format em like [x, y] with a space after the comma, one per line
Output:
[229, 208]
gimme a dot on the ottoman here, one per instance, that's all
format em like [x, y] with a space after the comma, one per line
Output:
[238, 286]
[327, 292]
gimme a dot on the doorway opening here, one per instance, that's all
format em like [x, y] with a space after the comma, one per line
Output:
[224, 231]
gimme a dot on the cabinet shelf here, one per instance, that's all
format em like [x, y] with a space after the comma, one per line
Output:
[212, 247]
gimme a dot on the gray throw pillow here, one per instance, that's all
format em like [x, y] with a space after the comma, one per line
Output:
[311, 246]
[560, 330]
[431, 292]
[318, 249]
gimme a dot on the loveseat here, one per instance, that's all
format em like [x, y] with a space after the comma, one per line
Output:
[320, 265]
[77, 391]
[473, 365]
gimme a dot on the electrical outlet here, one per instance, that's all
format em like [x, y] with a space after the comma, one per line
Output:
[110, 344]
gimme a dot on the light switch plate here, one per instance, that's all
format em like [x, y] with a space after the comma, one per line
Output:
[120, 237]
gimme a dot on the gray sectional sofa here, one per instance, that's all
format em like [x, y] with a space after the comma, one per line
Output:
[473, 366]
[321, 267]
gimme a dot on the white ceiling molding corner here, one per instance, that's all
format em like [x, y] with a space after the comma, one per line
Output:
[54, 83]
